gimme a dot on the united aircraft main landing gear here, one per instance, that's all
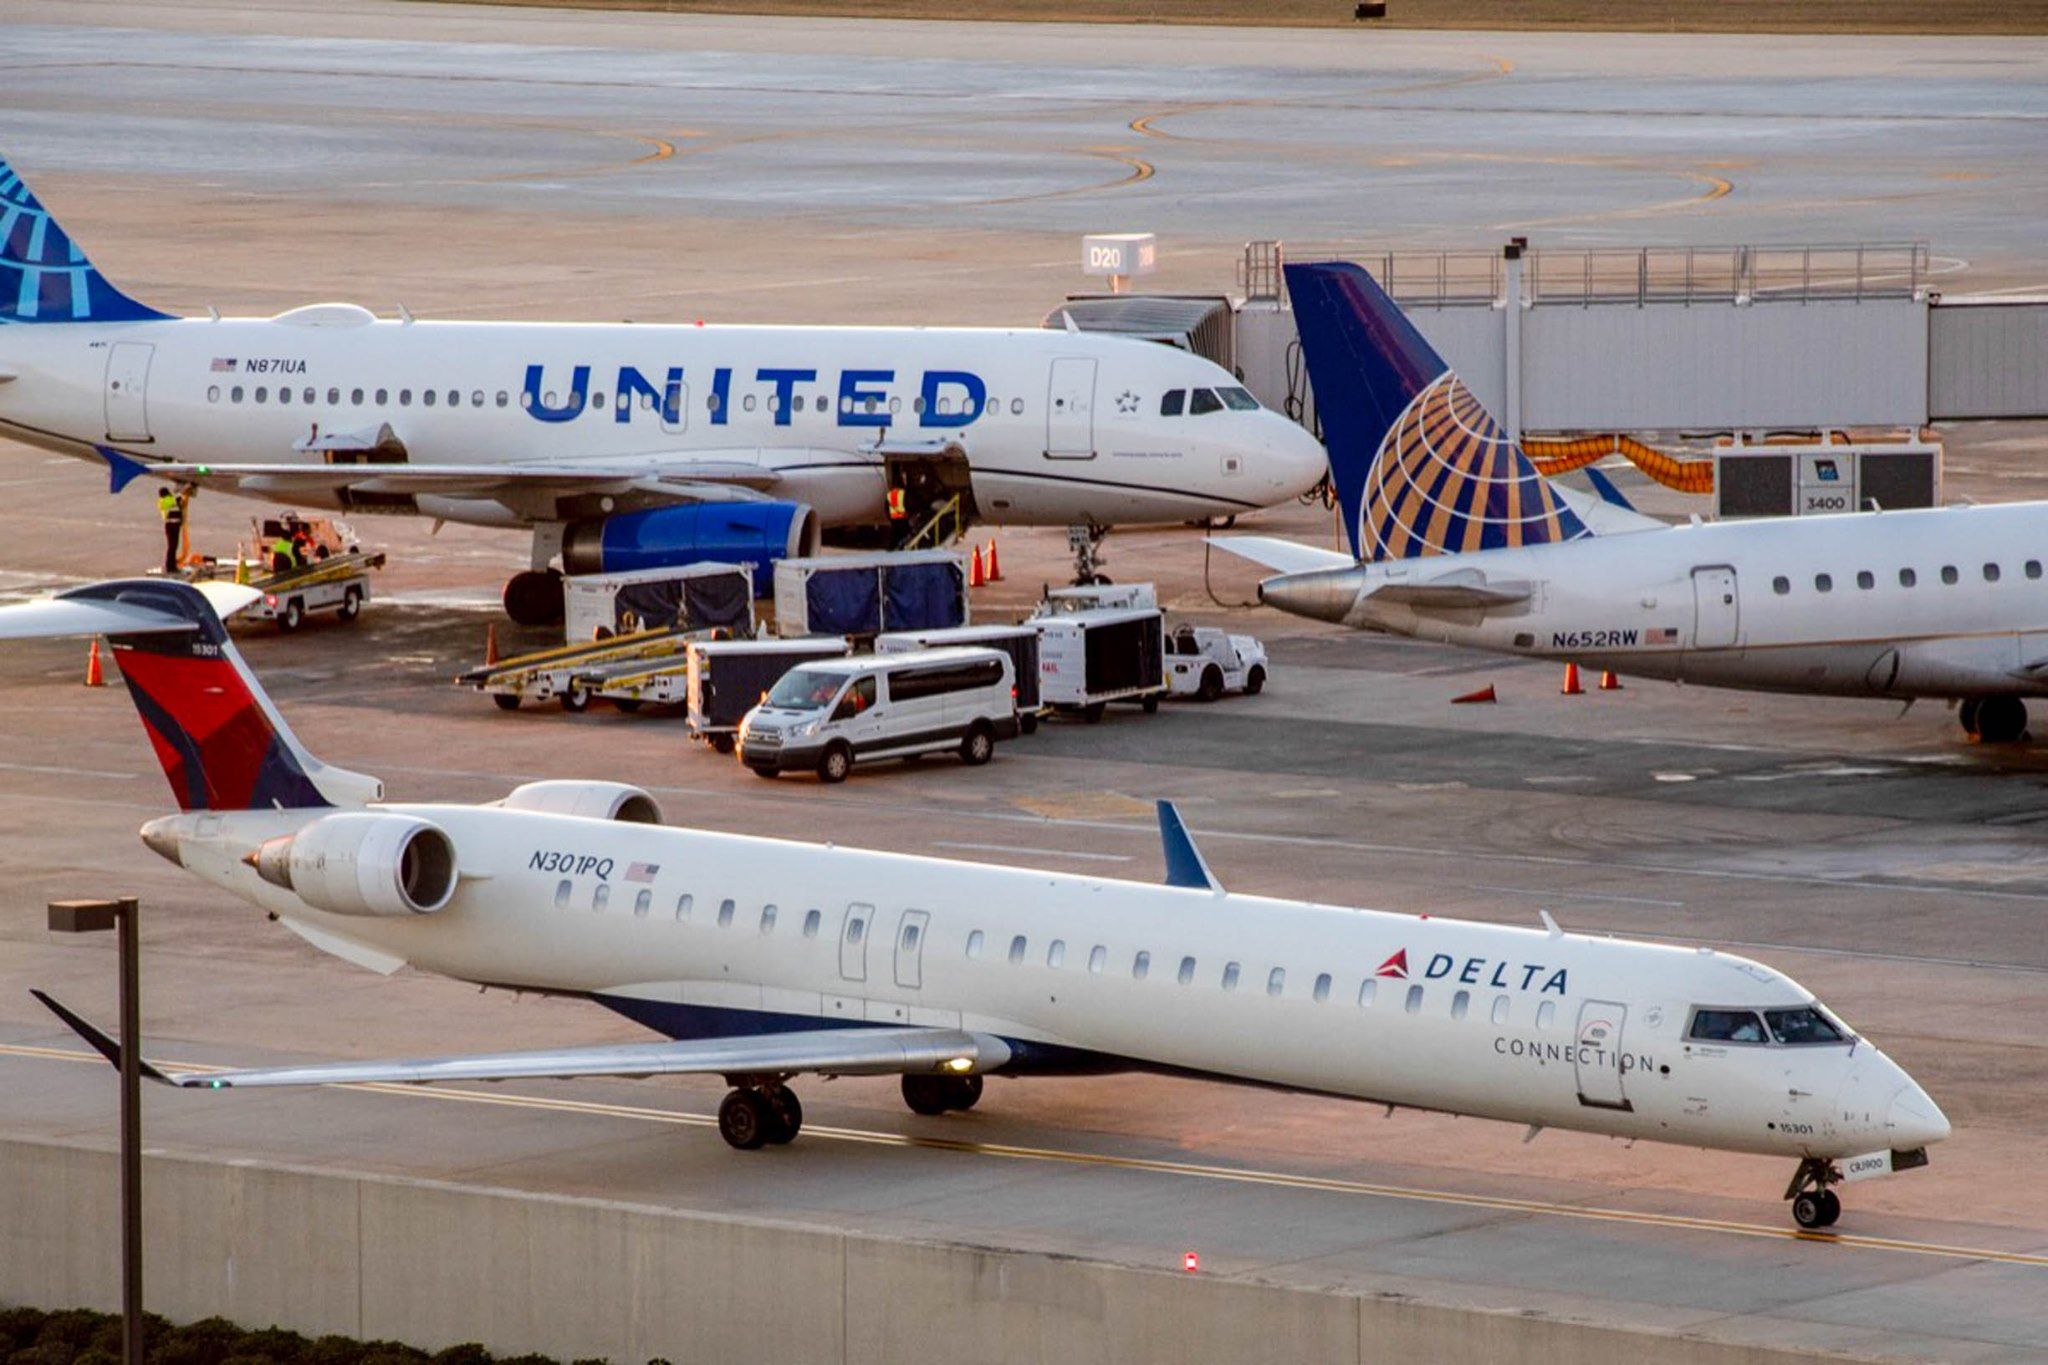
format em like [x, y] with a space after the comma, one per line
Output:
[1814, 1205]
[760, 1113]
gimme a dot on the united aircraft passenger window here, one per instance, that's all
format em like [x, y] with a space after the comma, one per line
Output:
[356, 397]
[1948, 574]
[974, 942]
[1016, 407]
[1990, 573]
[431, 397]
[2033, 568]
[284, 395]
[1781, 585]
[334, 397]
[383, 397]
[1907, 578]
[1866, 580]
[1823, 583]
[213, 394]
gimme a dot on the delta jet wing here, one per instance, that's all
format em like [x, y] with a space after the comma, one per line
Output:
[828, 1051]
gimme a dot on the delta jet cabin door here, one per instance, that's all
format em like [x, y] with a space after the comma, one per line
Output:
[128, 391]
[1715, 615]
[1596, 1060]
[1070, 410]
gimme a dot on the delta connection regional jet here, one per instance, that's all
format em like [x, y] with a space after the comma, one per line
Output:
[625, 446]
[1456, 538]
[761, 960]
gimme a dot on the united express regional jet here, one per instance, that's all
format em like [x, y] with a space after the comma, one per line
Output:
[763, 959]
[1456, 538]
[626, 446]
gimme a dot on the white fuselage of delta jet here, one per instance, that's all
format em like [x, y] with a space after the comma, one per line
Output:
[1523, 1025]
[1949, 602]
[1057, 427]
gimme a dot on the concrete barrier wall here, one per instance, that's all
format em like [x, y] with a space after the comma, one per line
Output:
[436, 1264]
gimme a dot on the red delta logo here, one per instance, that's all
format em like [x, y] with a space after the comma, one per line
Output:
[1480, 971]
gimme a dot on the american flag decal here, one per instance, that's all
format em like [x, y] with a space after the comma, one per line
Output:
[223, 365]
[1663, 635]
[642, 872]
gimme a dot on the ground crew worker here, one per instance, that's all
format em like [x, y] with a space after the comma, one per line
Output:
[898, 508]
[282, 556]
[171, 507]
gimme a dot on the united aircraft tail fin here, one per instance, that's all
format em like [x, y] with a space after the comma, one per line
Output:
[44, 275]
[1420, 467]
[221, 743]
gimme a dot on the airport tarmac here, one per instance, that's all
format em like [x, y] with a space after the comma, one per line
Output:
[1898, 870]
[902, 133]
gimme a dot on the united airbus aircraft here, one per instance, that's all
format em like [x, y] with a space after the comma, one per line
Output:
[762, 960]
[626, 446]
[1456, 538]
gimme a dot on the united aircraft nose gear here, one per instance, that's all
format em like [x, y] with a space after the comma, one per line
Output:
[1814, 1205]
[1086, 543]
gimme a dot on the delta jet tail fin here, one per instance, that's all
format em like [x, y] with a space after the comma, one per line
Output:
[44, 275]
[221, 743]
[1420, 467]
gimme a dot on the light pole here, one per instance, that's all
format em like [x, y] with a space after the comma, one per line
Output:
[96, 916]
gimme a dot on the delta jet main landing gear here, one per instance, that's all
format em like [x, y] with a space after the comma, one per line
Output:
[762, 1111]
[1994, 720]
[759, 1112]
[1814, 1205]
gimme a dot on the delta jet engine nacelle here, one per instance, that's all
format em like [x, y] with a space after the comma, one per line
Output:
[757, 533]
[590, 800]
[363, 863]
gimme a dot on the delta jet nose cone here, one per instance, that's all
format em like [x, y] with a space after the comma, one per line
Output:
[1321, 595]
[1914, 1119]
[161, 834]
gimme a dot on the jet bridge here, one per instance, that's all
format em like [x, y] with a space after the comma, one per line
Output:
[1685, 339]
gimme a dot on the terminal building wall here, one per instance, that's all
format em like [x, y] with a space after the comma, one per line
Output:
[436, 1265]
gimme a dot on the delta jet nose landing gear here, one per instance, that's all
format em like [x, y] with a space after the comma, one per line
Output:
[1814, 1205]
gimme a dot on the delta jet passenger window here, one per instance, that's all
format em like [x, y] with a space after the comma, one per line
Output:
[1056, 955]
[767, 919]
[1322, 991]
[1369, 988]
[642, 903]
[725, 909]
[812, 919]
[1413, 1004]
[1098, 958]
[1187, 970]
[1230, 976]
[1276, 981]
[1141, 966]
[1017, 949]
[562, 890]
[974, 942]
[683, 904]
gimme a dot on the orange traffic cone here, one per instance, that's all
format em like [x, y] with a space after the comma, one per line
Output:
[490, 644]
[976, 577]
[1608, 682]
[995, 569]
[1484, 694]
[93, 676]
[1571, 686]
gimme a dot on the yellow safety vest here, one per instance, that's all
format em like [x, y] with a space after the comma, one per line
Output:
[167, 506]
[282, 549]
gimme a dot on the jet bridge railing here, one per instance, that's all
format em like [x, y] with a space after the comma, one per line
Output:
[1602, 275]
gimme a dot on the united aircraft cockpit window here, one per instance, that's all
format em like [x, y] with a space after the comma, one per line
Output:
[1240, 400]
[1201, 401]
[1727, 1026]
[1803, 1026]
[1172, 401]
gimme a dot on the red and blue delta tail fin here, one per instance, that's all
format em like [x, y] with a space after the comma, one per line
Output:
[1420, 467]
[221, 743]
[44, 275]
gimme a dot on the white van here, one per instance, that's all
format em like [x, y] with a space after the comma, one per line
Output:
[830, 714]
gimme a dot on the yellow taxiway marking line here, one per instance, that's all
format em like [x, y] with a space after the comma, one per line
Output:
[1150, 1165]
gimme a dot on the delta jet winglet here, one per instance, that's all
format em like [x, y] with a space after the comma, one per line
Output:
[627, 446]
[1456, 538]
[761, 960]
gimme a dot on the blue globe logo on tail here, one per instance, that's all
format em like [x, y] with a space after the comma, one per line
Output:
[44, 276]
[1420, 466]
